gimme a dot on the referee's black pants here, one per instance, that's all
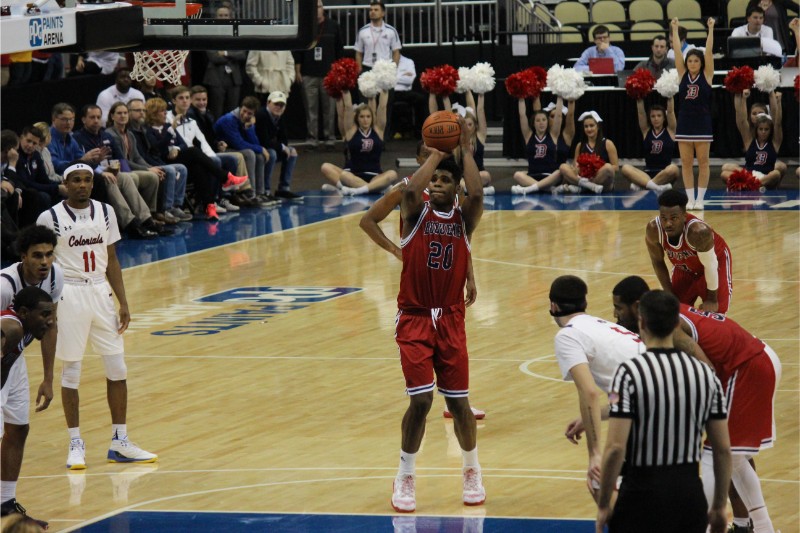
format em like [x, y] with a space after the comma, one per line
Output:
[661, 499]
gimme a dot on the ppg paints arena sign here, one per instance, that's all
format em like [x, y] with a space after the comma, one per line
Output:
[46, 31]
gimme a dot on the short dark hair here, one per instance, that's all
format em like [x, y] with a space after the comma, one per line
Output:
[88, 107]
[33, 130]
[660, 312]
[61, 108]
[32, 235]
[30, 297]
[178, 89]
[8, 140]
[378, 3]
[197, 89]
[630, 289]
[599, 30]
[569, 292]
[251, 102]
[682, 33]
[449, 164]
[673, 198]
[753, 8]
[658, 38]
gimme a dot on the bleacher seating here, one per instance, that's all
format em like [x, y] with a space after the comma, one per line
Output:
[684, 9]
[646, 31]
[645, 10]
[608, 11]
[572, 13]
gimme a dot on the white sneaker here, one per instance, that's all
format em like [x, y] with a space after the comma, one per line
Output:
[474, 493]
[220, 209]
[329, 188]
[597, 189]
[348, 191]
[228, 206]
[124, 451]
[517, 189]
[488, 190]
[76, 460]
[404, 494]
[571, 189]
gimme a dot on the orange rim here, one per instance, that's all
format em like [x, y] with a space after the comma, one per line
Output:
[192, 9]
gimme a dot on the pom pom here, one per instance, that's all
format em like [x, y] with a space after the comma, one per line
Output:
[464, 80]
[368, 84]
[385, 74]
[767, 79]
[589, 164]
[743, 180]
[482, 78]
[565, 82]
[668, 84]
[527, 83]
[342, 77]
[440, 80]
[640, 83]
[739, 79]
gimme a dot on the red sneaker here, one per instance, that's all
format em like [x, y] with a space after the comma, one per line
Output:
[211, 212]
[233, 182]
[479, 415]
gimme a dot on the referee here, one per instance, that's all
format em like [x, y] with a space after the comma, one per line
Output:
[661, 401]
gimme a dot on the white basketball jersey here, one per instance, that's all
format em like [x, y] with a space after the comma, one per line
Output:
[11, 282]
[601, 344]
[83, 238]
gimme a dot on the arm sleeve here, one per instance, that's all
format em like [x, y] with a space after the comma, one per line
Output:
[582, 65]
[622, 398]
[619, 59]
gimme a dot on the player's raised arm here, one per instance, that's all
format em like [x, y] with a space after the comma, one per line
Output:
[473, 204]
[411, 204]
[377, 213]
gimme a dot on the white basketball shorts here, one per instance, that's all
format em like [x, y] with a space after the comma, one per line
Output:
[16, 396]
[87, 312]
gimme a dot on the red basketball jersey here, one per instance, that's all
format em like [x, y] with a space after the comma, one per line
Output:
[683, 255]
[727, 344]
[435, 261]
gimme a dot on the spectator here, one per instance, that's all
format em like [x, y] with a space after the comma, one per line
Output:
[602, 48]
[47, 159]
[776, 17]
[685, 46]
[31, 169]
[237, 130]
[121, 91]
[223, 76]
[270, 72]
[148, 87]
[755, 28]
[409, 121]
[21, 206]
[47, 66]
[311, 66]
[96, 63]
[63, 147]
[271, 133]
[658, 61]
[377, 40]
[593, 142]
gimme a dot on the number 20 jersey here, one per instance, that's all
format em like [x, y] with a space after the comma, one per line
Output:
[435, 261]
[83, 238]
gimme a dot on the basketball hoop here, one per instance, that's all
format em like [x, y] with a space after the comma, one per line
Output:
[164, 65]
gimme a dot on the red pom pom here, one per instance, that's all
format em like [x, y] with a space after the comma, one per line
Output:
[343, 76]
[589, 164]
[440, 80]
[797, 87]
[640, 83]
[739, 79]
[527, 83]
[743, 180]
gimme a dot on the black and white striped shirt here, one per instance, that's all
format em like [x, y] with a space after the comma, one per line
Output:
[669, 396]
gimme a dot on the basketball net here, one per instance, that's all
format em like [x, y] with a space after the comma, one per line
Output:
[163, 65]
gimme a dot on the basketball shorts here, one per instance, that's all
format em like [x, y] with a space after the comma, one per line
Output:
[688, 287]
[434, 345]
[87, 312]
[750, 393]
[16, 396]
[366, 176]
[652, 172]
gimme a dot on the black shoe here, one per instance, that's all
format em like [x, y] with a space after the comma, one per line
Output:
[13, 507]
[289, 195]
[162, 231]
[135, 231]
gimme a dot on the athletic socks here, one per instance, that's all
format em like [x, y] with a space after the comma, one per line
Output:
[701, 193]
[652, 185]
[470, 458]
[8, 490]
[119, 431]
[74, 433]
[690, 194]
[408, 464]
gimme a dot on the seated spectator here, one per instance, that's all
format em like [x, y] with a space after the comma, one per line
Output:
[541, 147]
[658, 130]
[363, 138]
[685, 46]
[148, 87]
[408, 125]
[237, 130]
[755, 28]
[47, 159]
[121, 91]
[173, 190]
[272, 134]
[602, 48]
[760, 143]
[100, 62]
[592, 142]
[21, 206]
[134, 212]
[777, 18]
[658, 61]
[31, 169]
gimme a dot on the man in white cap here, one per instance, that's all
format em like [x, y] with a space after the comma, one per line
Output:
[272, 134]
[87, 232]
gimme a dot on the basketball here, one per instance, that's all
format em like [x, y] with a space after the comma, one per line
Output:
[441, 131]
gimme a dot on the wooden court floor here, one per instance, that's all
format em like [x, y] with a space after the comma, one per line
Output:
[298, 408]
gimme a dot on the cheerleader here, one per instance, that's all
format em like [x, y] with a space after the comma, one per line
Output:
[658, 131]
[541, 149]
[592, 142]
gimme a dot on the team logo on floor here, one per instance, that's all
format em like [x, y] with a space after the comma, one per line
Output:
[254, 304]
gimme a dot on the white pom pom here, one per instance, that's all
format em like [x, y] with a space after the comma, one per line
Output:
[565, 82]
[482, 78]
[464, 79]
[668, 84]
[767, 79]
[368, 84]
[385, 74]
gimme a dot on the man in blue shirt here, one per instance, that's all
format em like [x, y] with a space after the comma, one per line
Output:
[602, 48]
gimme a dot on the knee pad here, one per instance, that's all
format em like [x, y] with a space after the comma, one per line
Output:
[115, 367]
[71, 374]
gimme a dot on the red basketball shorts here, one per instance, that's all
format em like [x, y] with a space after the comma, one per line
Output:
[689, 287]
[431, 344]
[750, 393]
